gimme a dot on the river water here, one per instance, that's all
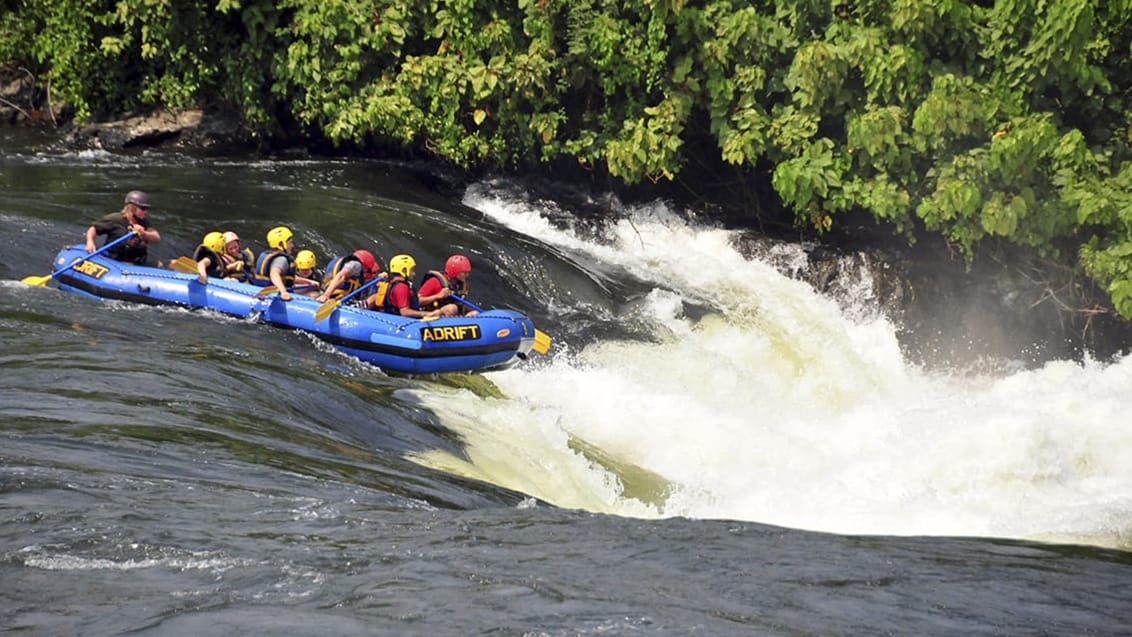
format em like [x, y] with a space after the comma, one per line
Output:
[711, 447]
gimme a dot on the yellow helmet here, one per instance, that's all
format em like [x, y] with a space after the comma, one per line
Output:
[305, 260]
[214, 241]
[402, 264]
[277, 237]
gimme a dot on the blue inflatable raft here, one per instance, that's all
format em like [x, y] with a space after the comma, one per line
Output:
[494, 339]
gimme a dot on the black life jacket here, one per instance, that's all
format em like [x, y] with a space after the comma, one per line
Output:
[215, 268]
[386, 304]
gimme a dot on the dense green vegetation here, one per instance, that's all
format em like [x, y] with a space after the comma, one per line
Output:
[1007, 120]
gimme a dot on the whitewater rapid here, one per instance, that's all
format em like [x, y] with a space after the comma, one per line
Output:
[786, 407]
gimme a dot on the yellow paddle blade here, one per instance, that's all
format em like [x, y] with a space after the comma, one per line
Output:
[271, 289]
[184, 264]
[325, 310]
[36, 280]
[542, 342]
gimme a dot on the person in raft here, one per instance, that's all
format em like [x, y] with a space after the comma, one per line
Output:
[306, 272]
[238, 261]
[134, 217]
[275, 265]
[209, 256]
[438, 287]
[398, 296]
[347, 273]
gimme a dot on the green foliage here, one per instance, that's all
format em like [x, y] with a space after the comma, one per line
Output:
[103, 56]
[1046, 44]
[1105, 205]
[69, 50]
[740, 48]
[892, 74]
[878, 137]
[817, 74]
[1006, 120]
[809, 181]
[953, 115]
[650, 145]
[16, 31]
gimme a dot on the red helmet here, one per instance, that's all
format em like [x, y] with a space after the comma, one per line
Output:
[456, 264]
[369, 263]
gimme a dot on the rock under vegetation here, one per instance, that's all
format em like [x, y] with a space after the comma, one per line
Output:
[191, 128]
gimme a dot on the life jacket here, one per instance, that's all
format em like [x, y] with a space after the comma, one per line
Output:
[261, 276]
[247, 257]
[332, 269]
[381, 293]
[457, 286]
[386, 304]
[215, 268]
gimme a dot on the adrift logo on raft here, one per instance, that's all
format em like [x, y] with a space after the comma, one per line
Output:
[450, 333]
[91, 269]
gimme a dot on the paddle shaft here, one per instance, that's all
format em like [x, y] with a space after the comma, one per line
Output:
[542, 339]
[327, 308]
[366, 286]
[120, 240]
[271, 289]
[460, 299]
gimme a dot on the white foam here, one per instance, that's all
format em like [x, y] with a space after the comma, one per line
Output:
[784, 408]
[41, 558]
